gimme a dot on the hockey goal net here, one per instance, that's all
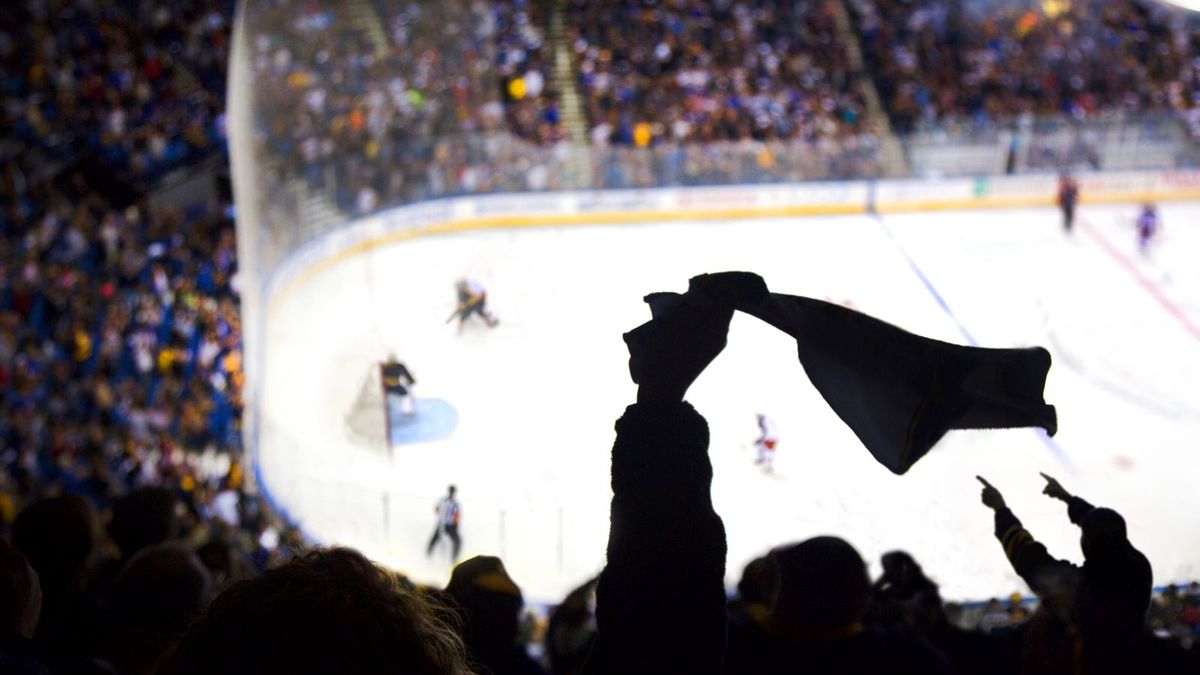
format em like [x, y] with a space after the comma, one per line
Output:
[367, 419]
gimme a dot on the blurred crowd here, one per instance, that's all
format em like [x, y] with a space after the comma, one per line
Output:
[935, 61]
[120, 350]
[411, 112]
[120, 327]
[138, 84]
[707, 72]
[463, 100]
[759, 82]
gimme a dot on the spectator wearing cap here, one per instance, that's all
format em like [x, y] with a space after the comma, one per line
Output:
[489, 604]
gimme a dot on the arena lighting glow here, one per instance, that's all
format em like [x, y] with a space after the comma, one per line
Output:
[1052, 8]
[1190, 5]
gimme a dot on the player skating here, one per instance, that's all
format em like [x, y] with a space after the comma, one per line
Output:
[1147, 227]
[397, 381]
[472, 299]
[767, 439]
[449, 513]
[1068, 197]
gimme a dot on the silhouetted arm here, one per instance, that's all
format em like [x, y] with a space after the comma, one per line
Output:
[1029, 557]
[660, 603]
[1077, 507]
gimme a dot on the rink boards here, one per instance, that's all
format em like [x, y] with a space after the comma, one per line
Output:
[535, 398]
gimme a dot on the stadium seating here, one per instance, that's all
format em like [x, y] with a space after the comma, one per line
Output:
[121, 374]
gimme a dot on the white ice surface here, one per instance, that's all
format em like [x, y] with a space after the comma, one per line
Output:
[537, 396]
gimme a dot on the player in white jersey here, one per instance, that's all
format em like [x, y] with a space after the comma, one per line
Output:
[767, 440]
[449, 513]
[472, 299]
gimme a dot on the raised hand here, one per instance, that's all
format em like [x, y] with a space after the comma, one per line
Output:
[668, 353]
[1055, 489]
[991, 497]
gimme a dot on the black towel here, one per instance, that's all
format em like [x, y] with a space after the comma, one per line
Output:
[899, 392]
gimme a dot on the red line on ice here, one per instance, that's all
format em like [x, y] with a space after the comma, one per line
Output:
[1154, 291]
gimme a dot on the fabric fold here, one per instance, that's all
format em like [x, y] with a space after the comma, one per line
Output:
[897, 391]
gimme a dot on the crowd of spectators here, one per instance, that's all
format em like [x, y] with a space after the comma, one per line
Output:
[132, 540]
[1175, 614]
[463, 100]
[120, 346]
[681, 93]
[120, 327]
[421, 111]
[709, 72]
[524, 69]
[120, 362]
[746, 91]
[138, 84]
[936, 62]
[149, 593]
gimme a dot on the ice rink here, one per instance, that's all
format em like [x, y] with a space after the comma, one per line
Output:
[533, 401]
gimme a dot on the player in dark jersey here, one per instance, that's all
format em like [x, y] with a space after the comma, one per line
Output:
[449, 513]
[1068, 197]
[472, 299]
[397, 381]
[1147, 227]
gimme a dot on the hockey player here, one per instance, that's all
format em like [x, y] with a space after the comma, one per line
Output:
[449, 513]
[767, 439]
[397, 381]
[472, 299]
[1068, 196]
[1147, 226]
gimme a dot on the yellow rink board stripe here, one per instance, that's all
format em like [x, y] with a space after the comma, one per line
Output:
[740, 213]
[565, 219]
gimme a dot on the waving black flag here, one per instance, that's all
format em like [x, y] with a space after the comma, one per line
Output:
[899, 392]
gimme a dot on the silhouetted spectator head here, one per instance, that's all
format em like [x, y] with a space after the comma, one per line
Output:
[143, 518]
[330, 611]
[20, 593]
[1114, 591]
[491, 600]
[821, 585]
[162, 587]
[158, 592]
[451, 490]
[572, 630]
[904, 593]
[1103, 532]
[224, 562]
[756, 585]
[57, 537]
[900, 569]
